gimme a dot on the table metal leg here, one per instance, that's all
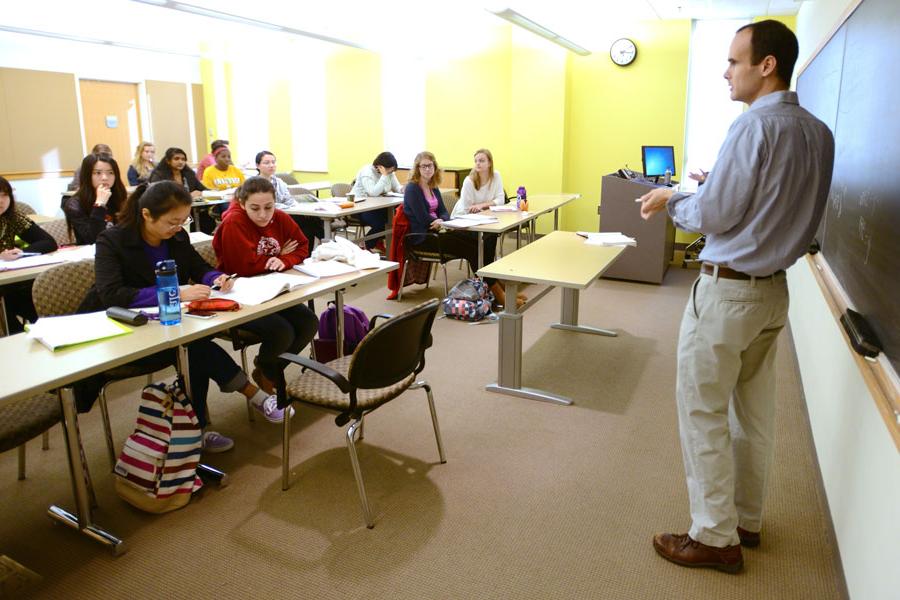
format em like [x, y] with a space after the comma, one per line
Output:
[339, 306]
[568, 316]
[388, 231]
[480, 251]
[80, 477]
[195, 225]
[509, 367]
[556, 219]
[326, 225]
[3, 326]
[205, 471]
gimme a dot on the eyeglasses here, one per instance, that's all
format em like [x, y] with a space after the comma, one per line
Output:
[184, 223]
[423, 166]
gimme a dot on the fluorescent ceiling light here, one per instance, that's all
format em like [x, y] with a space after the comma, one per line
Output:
[224, 16]
[89, 40]
[526, 23]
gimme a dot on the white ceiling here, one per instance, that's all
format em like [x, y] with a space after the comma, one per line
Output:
[402, 26]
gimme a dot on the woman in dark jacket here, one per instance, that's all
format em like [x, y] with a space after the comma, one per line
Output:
[151, 230]
[13, 224]
[426, 212]
[96, 203]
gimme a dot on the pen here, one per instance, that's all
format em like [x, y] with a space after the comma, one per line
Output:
[219, 287]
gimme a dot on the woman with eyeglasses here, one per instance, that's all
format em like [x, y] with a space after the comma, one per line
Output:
[311, 227]
[256, 238]
[426, 212]
[96, 203]
[151, 229]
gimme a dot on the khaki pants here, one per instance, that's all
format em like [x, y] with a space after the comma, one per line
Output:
[726, 400]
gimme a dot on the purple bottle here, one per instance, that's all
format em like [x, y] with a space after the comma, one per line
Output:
[521, 197]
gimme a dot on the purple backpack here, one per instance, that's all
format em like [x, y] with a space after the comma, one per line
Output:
[356, 326]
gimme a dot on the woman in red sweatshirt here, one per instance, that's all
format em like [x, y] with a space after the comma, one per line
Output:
[256, 238]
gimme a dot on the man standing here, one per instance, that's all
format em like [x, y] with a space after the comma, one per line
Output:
[759, 209]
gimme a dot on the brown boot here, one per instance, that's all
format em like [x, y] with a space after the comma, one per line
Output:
[682, 550]
[499, 294]
[263, 382]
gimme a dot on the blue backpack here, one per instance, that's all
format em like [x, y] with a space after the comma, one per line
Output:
[356, 326]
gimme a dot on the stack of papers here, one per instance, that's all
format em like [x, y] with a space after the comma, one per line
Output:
[325, 268]
[511, 207]
[394, 194]
[261, 288]
[470, 220]
[69, 330]
[217, 194]
[613, 238]
[330, 208]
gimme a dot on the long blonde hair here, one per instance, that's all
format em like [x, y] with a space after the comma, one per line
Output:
[138, 163]
[476, 179]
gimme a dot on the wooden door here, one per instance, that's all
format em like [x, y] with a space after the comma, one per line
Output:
[111, 116]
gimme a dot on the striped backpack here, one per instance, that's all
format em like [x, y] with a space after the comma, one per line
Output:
[157, 469]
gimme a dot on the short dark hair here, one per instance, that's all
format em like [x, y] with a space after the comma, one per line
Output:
[216, 144]
[254, 185]
[262, 154]
[774, 38]
[386, 160]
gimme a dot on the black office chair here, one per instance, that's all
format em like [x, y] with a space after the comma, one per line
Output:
[414, 252]
[384, 365]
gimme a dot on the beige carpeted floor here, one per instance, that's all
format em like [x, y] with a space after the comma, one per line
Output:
[535, 501]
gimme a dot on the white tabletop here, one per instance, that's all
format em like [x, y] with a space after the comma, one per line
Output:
[313, 209]
[27, 367]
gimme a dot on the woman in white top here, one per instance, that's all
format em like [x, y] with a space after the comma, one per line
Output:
[482, 188]
[376, 179]
[311, 227]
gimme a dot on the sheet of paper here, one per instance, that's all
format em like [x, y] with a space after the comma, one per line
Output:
[327, 207]
[394, 194]
[607, 238]
[505, 208]
[479, 219]
[69, 330]
[458, 223]
[261, 288]
[31, 261]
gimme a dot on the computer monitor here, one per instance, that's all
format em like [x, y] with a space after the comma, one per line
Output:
[657, 159]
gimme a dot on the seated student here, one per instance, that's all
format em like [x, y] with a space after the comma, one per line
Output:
[143, 164]
[96, 203]
[425, 210]
[482, 187]
[311, 227]
[76, 176]
[173, 167]
[376, 179]
[209, 158]
[13, 224]
[255, 237]
[222, 175]
[151, 230]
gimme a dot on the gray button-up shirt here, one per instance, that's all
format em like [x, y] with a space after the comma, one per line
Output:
[761, 204]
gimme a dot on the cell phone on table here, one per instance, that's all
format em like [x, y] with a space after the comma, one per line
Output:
[200, 314]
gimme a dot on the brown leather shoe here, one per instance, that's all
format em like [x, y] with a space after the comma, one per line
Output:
[749, 539]
[263, 382]
[682, 550]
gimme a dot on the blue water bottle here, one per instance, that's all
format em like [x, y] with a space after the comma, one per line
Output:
[168, 295]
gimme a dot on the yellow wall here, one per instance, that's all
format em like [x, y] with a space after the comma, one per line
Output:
[467, 104]
[611, 111]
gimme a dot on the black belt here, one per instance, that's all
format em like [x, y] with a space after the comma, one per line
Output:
[726, 273]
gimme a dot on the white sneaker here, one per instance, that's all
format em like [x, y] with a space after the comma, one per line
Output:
[268, 408]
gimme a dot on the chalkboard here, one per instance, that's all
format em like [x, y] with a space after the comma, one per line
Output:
[853, 86]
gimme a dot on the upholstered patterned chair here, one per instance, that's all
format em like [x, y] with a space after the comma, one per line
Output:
[59, 230]
[22, 420]
[386, 363]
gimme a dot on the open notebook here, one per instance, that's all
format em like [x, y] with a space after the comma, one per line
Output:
[259, 289]
[70, 330]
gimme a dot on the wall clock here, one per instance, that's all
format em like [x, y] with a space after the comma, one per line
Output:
[623, 52]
